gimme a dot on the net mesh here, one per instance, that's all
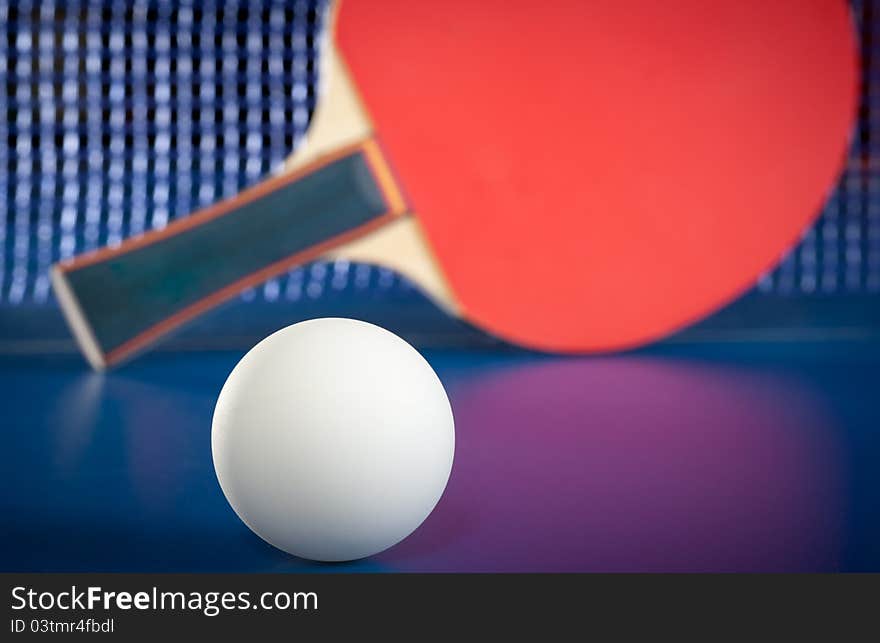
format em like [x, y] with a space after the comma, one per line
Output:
[120, 117]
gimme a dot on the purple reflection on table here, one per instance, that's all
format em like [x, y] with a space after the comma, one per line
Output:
[633, 464]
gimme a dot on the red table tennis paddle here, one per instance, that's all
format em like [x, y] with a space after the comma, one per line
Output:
[574, 176]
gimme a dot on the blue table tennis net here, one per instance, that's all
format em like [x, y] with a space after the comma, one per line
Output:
[120, 117]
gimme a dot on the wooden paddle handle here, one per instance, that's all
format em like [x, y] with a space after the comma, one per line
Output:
[118, 300]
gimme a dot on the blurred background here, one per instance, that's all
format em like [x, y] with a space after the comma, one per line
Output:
[95, 152]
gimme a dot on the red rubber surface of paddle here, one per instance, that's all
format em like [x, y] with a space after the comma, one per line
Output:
[596, 174]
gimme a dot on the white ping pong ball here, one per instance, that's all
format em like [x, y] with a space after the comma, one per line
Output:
[333, 439]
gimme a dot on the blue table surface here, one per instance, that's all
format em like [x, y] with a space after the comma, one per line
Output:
[703, 457]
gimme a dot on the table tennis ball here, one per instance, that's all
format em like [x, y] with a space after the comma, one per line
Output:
[333, 439]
